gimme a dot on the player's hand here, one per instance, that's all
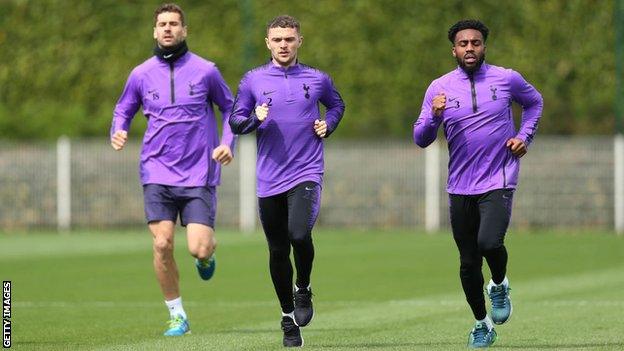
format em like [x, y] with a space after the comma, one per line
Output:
[320, 127]
[222, 154]
[518, 147]
[118, 140]
[438, 104]
[262, 111]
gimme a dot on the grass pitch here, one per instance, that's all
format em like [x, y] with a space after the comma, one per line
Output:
[373, 291]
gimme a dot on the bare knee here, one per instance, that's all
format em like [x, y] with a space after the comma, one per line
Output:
[201, 240]
[203, 250]
[163, 246]
[162, 233]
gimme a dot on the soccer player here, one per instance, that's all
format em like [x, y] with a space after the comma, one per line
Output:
[280, 100]
[181, 151]
[473, 102]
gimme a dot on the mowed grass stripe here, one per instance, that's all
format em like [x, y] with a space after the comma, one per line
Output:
[411, 324]
[18, 246]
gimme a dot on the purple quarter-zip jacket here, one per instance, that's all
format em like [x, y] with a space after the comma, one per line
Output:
[289, 151]
[181, 133]
[478, 122]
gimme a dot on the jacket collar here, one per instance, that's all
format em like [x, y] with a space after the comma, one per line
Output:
[181, 60]
[291, 69]
[478, 73]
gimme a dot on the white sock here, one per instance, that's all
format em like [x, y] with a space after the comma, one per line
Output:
[491, 284]
[298, 288]
[175, 307]
[487, 322]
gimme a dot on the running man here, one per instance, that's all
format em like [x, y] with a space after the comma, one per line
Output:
[181, 152]
[280, 100]
[473, 102]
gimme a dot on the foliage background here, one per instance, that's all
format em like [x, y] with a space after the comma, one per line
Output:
[65, 62]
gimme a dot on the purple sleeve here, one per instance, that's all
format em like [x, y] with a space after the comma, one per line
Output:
[221, 95]
[332, 100]
[242, 120]
[127, 105]
[426, 126]
[532, 104]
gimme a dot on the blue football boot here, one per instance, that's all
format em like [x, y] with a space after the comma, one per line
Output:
[501, 302]
[206, 267]
[178, 326]
[481, 336]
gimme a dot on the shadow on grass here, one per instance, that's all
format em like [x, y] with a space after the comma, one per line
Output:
[383, 345]
[248, 331]
[563, 346]
[277, 329]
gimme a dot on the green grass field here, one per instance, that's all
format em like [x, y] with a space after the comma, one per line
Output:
[373, 291]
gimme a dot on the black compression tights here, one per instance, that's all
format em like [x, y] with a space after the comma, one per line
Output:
[287, 220]
[479, 224]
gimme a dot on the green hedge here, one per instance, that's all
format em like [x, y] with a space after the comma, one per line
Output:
[65, 62]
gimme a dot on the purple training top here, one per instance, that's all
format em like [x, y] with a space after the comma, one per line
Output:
[478, 121]
[289, 151]
[181, 130]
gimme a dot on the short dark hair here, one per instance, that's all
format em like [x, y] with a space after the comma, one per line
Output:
[468, 24]
[284, 21]
[169, 7]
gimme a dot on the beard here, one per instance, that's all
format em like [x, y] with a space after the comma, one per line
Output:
[470, 69]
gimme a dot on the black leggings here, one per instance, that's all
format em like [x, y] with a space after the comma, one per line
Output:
[479, 224]
[287, 219]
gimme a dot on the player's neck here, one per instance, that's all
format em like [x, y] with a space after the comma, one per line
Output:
[472, 71]
[286, 66]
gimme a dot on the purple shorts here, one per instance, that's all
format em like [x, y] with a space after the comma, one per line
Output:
[194, 204]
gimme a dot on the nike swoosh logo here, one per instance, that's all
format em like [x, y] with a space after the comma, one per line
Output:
[167, 56]
[306, 188]
[268, 92]
[453, 99]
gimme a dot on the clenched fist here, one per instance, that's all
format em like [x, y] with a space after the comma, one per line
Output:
[320, 127]
[262, 111]
[118, 140]
[517, 146]
[222, 154]
[438, 104]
